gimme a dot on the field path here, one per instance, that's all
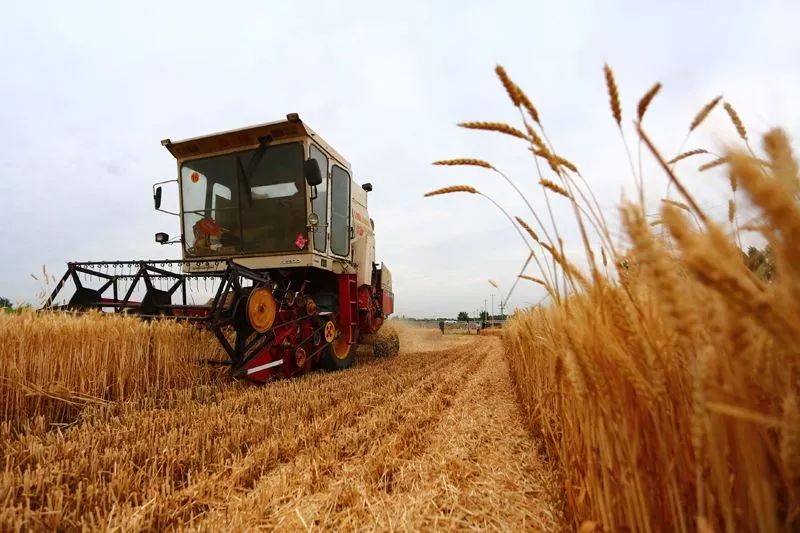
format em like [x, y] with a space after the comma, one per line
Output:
[431, 438]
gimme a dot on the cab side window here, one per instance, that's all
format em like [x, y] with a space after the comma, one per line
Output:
[320, 204]
[340, 211]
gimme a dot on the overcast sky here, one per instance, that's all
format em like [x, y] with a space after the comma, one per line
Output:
[89, 89]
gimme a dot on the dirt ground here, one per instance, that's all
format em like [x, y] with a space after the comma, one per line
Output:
[429, 439]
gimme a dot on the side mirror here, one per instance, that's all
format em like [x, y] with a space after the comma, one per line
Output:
[161, 237]
[367, 187]
[157, 196]
[312, 172]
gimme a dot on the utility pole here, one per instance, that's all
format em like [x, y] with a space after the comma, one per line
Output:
[492, 309]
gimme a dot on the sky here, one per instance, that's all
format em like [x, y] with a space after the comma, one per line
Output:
[89, 89]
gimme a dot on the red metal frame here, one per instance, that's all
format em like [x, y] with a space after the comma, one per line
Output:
[348, 307]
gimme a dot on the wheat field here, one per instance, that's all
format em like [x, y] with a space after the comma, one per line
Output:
[53, 365]
[663, 376]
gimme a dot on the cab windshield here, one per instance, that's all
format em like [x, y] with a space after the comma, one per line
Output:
[245, 202]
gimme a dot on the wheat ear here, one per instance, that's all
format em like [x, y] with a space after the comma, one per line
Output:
[644, 103]
[452, 189]
[784, 166]
[684, 155]
[510, 87]
[711, 164]
[613, 94]
[494, 126]
[527, 228]
[679, 205]
[737, 122]
[531, 278]
[463, 162]
[701, 116]
[556, 188]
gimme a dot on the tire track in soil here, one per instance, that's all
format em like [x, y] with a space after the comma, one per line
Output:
[312, 471]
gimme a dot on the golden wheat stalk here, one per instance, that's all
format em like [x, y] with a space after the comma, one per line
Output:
[673, 178]
[534, 137]
[555, 187]
[499, 127]
[452, 189]
[551, 158]
[701, 116]
[677, 204]
[644, 103]
[790, 438]
[535, 280]
[515, 92]
[711, 164]
[564, 163]
[784, 166]
[547, 155]
[527, 228]
[684, 155]
[510, 87]
[737, 122]
[613, 94]
[733, 181]
[528, 105]
[568, 267]
[731, 211]
[463, 162]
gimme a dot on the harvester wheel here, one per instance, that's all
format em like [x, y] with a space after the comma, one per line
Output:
[338, 355]
[261, 309]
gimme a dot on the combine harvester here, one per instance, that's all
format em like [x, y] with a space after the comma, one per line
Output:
[276, 231]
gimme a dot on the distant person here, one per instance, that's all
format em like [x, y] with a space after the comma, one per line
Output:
[441, 326]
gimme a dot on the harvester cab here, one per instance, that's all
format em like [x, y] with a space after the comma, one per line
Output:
[278, 254]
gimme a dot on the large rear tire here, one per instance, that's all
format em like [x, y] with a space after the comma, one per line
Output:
[338, 355]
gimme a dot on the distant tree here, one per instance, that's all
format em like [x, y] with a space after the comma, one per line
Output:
[761, 262]
[484, 315]
[5, 303]
[463, 316]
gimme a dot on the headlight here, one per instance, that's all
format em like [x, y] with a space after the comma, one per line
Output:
[313, 219]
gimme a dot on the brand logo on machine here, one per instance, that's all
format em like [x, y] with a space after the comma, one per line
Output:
[300, 241]
[290, 262]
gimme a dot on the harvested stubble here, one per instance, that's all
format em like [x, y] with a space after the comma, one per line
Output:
[422, 440]
[52, 365]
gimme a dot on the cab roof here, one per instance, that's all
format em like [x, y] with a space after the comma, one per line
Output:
[292, 127]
